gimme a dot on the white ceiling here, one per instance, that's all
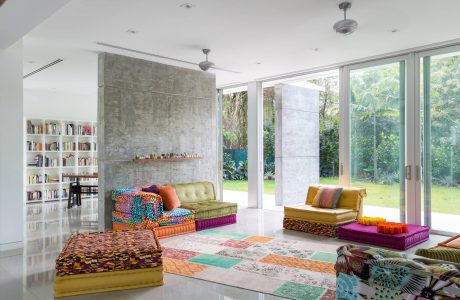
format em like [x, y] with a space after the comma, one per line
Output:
[281, 35]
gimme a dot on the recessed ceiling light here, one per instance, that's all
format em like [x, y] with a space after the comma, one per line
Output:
[131, 31]
[187, 5]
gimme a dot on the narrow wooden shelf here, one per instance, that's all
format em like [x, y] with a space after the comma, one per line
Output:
[146, 160]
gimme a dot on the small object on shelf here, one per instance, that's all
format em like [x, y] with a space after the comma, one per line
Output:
[392, 228]
[167, 156]
[371, 221]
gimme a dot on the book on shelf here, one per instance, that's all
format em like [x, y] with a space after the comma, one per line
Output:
[49, 179]
[34, 195]
[34, 146]
[54, 146]
[37, 162]
[84, 129]
[84, 146]
[34, 128]
[64, 193]
[68, 146]
[52, 128]
[51, 162]
[52, 194]
[68, 128]
[86, 161]
[35, 179]
[68, 160]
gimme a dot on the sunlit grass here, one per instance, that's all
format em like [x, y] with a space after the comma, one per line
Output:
[444, 199]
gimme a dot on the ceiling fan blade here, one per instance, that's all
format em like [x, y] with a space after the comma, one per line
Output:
[145, 53]
[225, 70]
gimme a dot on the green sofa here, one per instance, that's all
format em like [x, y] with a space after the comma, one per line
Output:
[200, 197]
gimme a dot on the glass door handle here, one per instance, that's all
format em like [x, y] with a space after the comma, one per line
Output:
[408, 172]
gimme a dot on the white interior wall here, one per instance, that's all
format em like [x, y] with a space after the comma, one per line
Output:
[11, 148]
[59, 105]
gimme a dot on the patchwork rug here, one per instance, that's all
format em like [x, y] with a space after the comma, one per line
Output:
[285, 268]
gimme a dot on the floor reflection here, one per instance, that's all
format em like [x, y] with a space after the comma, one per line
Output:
[48, 227]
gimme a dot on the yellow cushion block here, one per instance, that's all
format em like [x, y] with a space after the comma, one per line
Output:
[320, 215]
[350, 198]
[70, 285]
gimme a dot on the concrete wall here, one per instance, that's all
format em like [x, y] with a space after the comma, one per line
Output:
[147, 107]
[11, 148]
[296, 142]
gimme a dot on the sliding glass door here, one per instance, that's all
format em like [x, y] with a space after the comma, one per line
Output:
[376, 96]
[440, 140]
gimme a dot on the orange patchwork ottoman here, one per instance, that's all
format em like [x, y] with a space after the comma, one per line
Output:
[108, 261]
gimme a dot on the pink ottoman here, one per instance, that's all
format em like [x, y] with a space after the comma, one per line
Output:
[368, 235]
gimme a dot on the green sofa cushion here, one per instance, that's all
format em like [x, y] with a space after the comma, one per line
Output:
[195, 192]
[211, 209]
[440, 253]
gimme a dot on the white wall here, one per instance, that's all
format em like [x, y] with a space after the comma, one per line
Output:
[60, 105]
[11, 148]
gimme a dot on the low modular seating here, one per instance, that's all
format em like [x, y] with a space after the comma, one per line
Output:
[324, 221]
[356, 232]
[372, 273]
[135, 209]
[200, 197]
[108, 261]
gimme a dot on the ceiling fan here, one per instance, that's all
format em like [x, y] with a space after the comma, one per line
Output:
[204, 65]
[345, 26]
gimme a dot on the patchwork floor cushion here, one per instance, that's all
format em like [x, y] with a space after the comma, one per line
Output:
[108, 261]
[136, 202]
[369, 235]
[211, 209]
[176, 216]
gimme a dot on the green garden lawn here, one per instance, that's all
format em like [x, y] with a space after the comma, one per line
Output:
[445, 199]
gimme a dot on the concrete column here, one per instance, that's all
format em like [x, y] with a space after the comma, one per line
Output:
[255, 145]
[11, 148]
[296, 142]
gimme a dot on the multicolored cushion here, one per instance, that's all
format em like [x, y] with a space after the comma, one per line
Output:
[169, 196]
[134, 221]
[440, 253]
[176, 216]
[135, 201]
[151, 189]
[327, 197]
[109, 251]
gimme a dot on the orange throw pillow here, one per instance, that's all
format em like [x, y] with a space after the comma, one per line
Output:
[169, 196]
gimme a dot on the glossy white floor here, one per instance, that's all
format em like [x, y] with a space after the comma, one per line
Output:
[28, 274]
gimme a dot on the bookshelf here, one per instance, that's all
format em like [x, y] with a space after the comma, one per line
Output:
[54, 148]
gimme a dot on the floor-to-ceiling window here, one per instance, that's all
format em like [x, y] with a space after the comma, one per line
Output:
[235, 145]
[377, 141]
[440, 140]
[408, 176]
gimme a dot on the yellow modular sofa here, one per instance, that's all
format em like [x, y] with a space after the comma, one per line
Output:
[324, 221]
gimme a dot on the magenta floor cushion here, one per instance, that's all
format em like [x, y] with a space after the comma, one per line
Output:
[368, 235]
[214, 222]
